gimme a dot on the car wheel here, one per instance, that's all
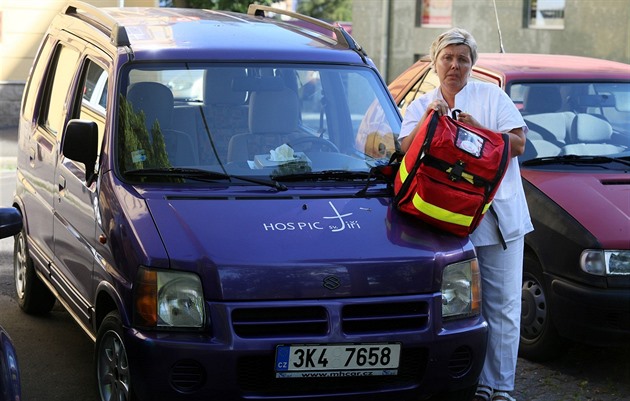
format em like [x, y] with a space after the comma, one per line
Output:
[112, 366]
[32, 294]
[540, 340]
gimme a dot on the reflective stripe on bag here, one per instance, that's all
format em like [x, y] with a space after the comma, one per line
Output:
[402, 170]
[441, 214]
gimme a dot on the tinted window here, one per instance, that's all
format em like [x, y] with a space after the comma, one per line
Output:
[94, 90]
[36, 76]
[94, 96]
[64, 64]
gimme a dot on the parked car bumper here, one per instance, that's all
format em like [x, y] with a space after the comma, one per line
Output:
[227, 367]
[10, 387]
[589, 314]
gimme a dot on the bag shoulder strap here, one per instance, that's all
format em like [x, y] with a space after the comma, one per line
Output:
[428, 137]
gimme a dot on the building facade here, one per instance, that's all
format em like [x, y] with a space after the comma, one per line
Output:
[395, 33]
[22, 26]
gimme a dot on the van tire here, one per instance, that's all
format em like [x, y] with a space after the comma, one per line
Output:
[111, 363]
[33, 296]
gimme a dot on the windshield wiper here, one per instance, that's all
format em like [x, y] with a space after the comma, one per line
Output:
[326, 175]
[200, 175]
[575, 159]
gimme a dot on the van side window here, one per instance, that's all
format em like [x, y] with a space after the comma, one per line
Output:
[94, 90]
[52, 115]
[33, 84]
[94, 96]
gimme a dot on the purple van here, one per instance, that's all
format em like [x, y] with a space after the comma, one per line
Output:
[196, 190]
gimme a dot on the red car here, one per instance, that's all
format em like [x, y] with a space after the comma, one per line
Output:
[576, 174]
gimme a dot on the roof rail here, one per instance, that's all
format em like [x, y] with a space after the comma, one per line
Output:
[100, 20]
[341, 35]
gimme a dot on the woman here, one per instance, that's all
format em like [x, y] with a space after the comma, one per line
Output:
[453, 55]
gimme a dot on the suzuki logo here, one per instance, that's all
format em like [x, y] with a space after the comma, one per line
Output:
[331, 282]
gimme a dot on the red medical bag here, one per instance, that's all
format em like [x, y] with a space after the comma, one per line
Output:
[450, 173]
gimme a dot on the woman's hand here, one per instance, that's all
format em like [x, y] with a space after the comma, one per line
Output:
[439, 106]
[468, 119]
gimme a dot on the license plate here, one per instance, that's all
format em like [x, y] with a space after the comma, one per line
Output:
[337, 360]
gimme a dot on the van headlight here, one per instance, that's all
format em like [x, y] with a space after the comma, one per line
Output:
[461, 290]
[605, 262]
[168, 299]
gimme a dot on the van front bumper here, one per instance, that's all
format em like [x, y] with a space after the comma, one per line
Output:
[225, 366]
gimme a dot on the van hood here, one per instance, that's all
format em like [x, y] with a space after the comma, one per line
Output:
[599, 202]
[271, 248]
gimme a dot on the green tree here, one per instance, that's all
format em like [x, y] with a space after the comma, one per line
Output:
[226, 5]
[138, 149]
[328, 10]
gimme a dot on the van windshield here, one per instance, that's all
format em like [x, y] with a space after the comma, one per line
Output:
[254, 120]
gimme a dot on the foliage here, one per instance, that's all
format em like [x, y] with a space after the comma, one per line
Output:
[138, 150]
[328, 10]
[226, 5]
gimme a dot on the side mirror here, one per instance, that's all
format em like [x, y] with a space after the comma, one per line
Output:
[80, 143]
[10, 222]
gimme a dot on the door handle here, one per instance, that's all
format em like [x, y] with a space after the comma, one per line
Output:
[62, 183]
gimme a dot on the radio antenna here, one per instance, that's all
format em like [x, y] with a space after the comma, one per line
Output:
[496, 14]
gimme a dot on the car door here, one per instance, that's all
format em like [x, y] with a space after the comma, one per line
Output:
[40, 129]
[75, 239]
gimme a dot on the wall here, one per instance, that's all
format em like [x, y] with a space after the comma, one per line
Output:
[595, 28]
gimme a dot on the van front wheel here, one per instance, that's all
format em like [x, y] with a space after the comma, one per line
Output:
[112, 366]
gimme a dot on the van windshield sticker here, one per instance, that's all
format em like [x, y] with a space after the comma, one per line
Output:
[335, 223]
[138, 156]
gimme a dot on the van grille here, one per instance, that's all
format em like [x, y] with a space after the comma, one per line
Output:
[187, 376]
[385, 317]
[280, 322]
[360, 318]
[460, 362]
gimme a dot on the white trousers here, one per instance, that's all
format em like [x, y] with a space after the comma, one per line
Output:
[501, 276]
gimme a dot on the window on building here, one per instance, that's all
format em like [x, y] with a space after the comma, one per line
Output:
[434, 13]
[546, 14]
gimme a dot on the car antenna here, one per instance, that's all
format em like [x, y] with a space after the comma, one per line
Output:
[502, 50]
